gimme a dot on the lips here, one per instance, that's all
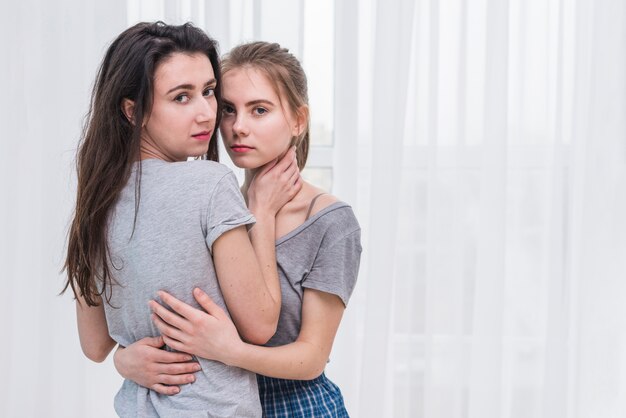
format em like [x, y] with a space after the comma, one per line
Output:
[202, 136]
[239, 148]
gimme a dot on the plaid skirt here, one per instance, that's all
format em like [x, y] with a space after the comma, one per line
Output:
[318, 398]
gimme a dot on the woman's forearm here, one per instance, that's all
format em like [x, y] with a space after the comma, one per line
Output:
[252, 308]
[299, 360]
[305, 358]
[262, 236]
[93, 332]
[211, 334]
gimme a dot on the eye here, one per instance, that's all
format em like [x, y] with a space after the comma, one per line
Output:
[259, 111]
[209, 92]
[182, 98]
[228, 110]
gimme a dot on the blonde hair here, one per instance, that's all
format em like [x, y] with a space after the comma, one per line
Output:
[285, 73]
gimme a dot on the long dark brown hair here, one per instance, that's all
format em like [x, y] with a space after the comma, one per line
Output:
[110, 143]
[284, 72]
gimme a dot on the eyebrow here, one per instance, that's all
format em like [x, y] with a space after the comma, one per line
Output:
[252, 102]
[190, 86]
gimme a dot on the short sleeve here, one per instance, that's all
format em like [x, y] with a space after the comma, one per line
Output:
[227, 209]
[336, 267]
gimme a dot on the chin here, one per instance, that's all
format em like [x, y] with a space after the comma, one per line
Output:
[197, 154]
[246, 164]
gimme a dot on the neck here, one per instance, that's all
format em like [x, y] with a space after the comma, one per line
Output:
[147, 150]
[249, 175]
[149, 154]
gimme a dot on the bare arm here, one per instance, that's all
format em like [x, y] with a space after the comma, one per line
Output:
[93, 331]
[305, 358]
[276, 184]
[246, 292]
[246, 265]
[212, 335]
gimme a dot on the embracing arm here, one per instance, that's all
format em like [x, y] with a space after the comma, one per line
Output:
[145, 363]
[212, 335]
[249, 302]
[93, 332]
[305, 358]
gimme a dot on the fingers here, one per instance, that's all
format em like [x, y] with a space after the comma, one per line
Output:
[178, 306]
[295, 177]
[175, 344]
[281, 165]
[207, 303]
[163, 356]
[168, 316]
[167, 330]
[181, 379]
[156, 342]
[294, 181]
[297, 185]
[288, 169]
[179, 368]
[288, 160]
[165, 390]
[292, 168]
[287, 165]
[268, 167]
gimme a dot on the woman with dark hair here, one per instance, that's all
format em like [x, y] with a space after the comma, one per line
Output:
[147, 220]
[318, 249]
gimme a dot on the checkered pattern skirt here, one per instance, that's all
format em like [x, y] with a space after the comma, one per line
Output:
[318, 398]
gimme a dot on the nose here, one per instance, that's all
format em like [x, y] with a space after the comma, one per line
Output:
[206, 111]
[240, 127]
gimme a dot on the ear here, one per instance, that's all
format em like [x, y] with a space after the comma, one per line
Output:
[128, 108]
[302, 117]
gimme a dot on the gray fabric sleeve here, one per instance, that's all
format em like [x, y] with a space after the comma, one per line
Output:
[227, 209]
[336, 267]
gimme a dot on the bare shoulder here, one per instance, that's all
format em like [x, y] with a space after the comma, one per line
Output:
[295, 212]
[321, 200]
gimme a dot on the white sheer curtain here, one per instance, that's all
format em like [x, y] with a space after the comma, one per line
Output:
[482, 145]
[490, 186]
[50, 54]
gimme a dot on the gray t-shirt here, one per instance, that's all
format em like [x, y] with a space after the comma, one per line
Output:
[322, 254]
[184, 207]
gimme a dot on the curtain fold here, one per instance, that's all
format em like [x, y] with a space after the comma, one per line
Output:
[598, 163]
[390, 77]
